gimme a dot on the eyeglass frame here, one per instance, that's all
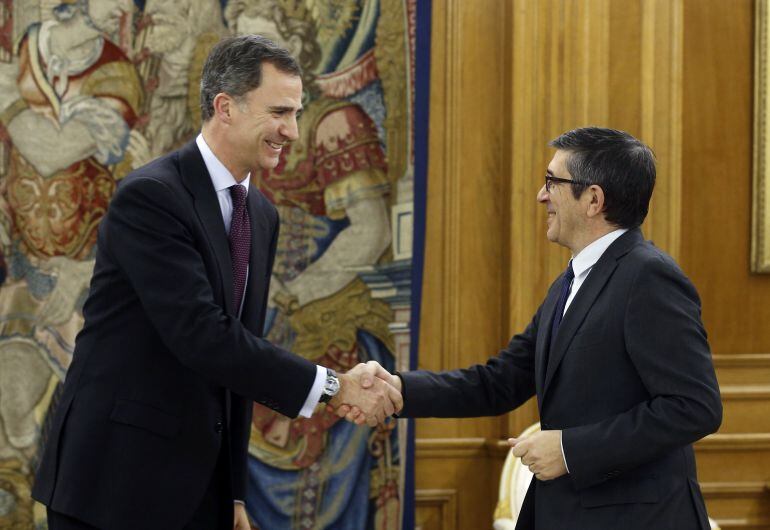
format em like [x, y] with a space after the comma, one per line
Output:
[550, 179]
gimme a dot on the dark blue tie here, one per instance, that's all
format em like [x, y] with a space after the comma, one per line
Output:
[566, 287]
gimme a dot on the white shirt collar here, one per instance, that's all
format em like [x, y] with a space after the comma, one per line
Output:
[588, 257]
[220, 175]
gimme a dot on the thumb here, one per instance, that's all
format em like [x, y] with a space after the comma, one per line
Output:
[371, 370]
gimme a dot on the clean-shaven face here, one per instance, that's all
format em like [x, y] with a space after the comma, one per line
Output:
[264, 121]
[565, 213]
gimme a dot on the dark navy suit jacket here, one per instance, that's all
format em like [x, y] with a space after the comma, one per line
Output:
[628, 379]
[162, 371]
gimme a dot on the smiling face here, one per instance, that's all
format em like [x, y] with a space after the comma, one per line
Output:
[264, 120]
[567, 216]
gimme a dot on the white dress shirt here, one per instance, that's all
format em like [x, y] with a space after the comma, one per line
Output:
[581, 266]
[222, 180]
[587, 258]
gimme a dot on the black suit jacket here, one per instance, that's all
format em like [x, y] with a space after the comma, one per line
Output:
[628, 379]
[163, 374]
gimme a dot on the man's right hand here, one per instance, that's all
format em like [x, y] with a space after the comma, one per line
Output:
[369, 377]
[368, 394]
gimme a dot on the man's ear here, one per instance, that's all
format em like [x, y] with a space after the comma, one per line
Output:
[224, 106]
[596, 200]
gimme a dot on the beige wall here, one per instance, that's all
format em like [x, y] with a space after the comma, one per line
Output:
[506, 77]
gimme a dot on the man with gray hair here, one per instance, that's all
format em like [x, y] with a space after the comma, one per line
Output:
[153, 424]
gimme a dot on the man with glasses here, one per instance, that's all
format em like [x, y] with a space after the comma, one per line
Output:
[616, 354]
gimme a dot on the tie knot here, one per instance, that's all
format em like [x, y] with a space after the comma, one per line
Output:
[569, 274]
[238, 193]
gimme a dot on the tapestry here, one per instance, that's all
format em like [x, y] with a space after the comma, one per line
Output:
[91, 89]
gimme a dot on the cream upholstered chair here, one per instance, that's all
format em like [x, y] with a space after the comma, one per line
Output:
[514, 481]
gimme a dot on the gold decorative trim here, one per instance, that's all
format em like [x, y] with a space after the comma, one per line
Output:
[760, 218]
[744, 392]
[734, 442]
[444, 500]
[744, 523]
[460, 447]
[450, 447]
[741, 360]
[452, 198]
[13, 110]
[469, 447]
[37, 70]
[732, 490]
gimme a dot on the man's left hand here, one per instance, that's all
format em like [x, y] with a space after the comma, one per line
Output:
[240, 519]
[541, 452]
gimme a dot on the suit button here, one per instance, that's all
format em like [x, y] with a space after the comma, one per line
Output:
[219, 427]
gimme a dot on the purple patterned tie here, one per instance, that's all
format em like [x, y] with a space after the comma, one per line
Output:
[240, 243]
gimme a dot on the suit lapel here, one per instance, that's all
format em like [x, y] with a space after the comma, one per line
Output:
[584, 300]
[260, 243]
[197, 180]
[544, 337]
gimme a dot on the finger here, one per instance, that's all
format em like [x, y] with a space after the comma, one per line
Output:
[513, 441]
[388, 408]
[379, 371]
[396, 398]
[370, 370]
[354, 413]
[520, 450]
[381, 415]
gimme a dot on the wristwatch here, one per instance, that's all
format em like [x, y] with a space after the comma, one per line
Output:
[331, 386]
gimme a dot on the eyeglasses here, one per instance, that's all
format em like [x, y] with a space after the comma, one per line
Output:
[550, 180]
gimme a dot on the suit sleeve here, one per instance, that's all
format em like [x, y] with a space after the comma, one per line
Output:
[502, 384]
[666, 342]
[147, 234]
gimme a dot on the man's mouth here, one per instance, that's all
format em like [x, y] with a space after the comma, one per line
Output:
[274, 145]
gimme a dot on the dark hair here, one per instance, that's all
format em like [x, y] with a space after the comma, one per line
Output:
[234, 67]
[622, 166]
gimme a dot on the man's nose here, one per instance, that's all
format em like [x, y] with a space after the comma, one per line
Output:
[290, 130]
[542, 195]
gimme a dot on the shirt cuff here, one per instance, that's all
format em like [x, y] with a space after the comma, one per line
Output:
[563, 456]
[315, 393]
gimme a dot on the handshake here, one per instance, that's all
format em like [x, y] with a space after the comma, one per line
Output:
[368, 394]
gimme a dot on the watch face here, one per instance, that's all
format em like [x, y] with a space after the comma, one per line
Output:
[332, 385]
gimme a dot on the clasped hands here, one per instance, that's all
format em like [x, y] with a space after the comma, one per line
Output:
[368, 394]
